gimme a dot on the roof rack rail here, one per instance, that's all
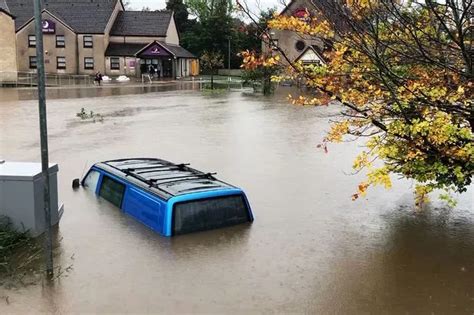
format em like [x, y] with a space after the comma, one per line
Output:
[206, 175]
[147, 181]
[134, 161]
[157, 165]
[169, 183]
[181, 178]
[163, 168]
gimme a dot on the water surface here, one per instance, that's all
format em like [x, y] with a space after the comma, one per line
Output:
[310, 250]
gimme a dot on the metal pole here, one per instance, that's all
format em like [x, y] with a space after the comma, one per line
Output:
[43, 136]
[228, 67]
[228, 61]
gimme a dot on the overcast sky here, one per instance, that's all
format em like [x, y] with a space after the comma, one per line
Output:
[161, 4]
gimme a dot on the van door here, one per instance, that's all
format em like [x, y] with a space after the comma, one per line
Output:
[145, 208]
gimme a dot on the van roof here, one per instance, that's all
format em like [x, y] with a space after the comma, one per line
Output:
[164, 178]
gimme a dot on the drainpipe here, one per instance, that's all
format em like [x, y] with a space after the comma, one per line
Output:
[175, 67]
[77, 54]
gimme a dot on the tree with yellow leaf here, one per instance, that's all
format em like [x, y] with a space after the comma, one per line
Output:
[262, 70]
[212, 60]
[403, 72]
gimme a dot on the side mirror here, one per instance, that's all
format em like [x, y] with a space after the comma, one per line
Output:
[76, 183]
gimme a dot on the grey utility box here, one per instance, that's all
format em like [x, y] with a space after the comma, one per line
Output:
[21, 195]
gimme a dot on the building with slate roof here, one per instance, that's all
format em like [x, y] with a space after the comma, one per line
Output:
[86, 36]
[297, 47]
[8, 65]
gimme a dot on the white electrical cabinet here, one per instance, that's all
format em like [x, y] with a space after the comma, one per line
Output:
[21, 196]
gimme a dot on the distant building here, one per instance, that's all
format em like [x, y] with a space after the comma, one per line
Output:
[296, 47]
[8, 66]
[86, 36]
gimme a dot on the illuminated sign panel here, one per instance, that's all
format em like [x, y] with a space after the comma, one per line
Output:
[48, 27]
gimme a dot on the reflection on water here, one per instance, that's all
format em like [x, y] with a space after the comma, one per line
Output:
[11, 94]
[424, 264]
[311, 249]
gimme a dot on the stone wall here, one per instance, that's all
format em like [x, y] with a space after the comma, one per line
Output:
[8, 66]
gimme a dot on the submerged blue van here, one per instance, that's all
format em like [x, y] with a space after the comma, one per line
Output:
[169, 198]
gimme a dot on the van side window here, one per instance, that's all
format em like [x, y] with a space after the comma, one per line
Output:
[91, 180]
[112, 191]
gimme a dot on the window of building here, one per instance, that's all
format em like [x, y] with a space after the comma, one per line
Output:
[88, 63]
[115, 63]
[88, 41]
[61, 62]
[300, 45]
[60, 41]
[31, 41]
[112, 191]
[32, 62]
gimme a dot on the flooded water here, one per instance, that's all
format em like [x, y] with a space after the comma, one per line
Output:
[310, 250]
[21, 94]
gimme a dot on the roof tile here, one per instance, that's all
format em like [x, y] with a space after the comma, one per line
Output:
[142, 23]
[4, 6]
[130, 50]
[83, 16]
[127, 50]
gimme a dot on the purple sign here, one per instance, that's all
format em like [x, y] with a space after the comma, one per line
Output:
[155, 50]
[48, 27]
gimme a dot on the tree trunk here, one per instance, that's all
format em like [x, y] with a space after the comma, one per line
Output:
[267, 86]
[212, 80]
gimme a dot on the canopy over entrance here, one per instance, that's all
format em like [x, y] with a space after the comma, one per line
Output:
[158, 59]
[154, 50]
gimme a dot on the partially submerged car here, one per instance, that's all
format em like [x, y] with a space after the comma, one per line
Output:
[169, 198]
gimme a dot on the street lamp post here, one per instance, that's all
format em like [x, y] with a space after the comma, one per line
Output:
[228, 60]
[43, 135]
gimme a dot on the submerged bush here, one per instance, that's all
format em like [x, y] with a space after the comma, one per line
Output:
[10, 239]
[19, 253]
[21, 258]
[84, 115]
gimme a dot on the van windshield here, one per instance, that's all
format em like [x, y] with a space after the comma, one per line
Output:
[206, 214]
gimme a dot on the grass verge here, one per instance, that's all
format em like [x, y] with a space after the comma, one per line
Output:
[18, 253]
